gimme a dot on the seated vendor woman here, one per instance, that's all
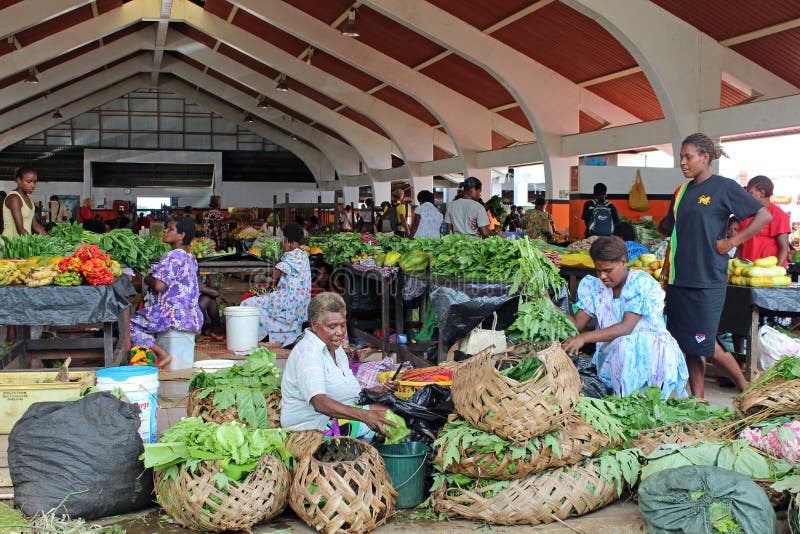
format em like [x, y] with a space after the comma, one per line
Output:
[634, 348]
[173, 291]
[318, 388]
[283, 310]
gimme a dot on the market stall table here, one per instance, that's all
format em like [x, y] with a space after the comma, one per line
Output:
[745, 305]
[249, 267]
[68, 306]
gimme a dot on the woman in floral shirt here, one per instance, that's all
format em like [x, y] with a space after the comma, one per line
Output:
[214, 223]
[283, 311]
[173, 290]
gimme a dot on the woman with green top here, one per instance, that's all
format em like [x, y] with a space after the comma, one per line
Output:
[697, 259]
[18, 208]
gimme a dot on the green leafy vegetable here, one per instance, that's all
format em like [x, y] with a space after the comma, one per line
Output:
[524, 370]
[396, 434]
[235, 447]
[245, 386]
[787, 368]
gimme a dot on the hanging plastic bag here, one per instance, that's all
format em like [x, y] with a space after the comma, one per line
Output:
[773, 345]
[637, 198]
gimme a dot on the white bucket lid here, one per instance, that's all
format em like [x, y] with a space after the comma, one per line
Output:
[214, 365]
[240, 311]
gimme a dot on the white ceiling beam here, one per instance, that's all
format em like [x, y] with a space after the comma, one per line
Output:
[319, 165]
[79, 66]
[763, 32]
[466, 121]
[413, 137]
[161, 39]
[513, 155]
[99, 98]
[73, 92]
[344, 157]
[76, 36]
[374, 148]
[23, 15]
[758, 116]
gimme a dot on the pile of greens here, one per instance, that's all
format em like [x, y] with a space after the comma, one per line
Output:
[397, 434]
[123, 245]
[736, 455]
[28, 245]
[457, 436]
[339, 249]
[648, 410]
[236, 448]
[617, 466]
[787, 368]
[597, 413]
[244, 386]
[524, 370]
[271, 247]
[495, 259]
[536, 278]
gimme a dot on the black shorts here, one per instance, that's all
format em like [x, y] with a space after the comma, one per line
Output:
[693, 317]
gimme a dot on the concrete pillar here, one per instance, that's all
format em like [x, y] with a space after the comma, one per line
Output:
[381, 192]
[485, 176]
[420, 183]
[350, 195]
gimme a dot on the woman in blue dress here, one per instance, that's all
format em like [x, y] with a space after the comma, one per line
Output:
[634, 348]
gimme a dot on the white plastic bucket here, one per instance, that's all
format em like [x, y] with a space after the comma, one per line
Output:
[209, 366]
[140, 385]
[241, 329]
[179, 345]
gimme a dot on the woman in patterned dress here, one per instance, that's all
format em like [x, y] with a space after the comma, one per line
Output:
[173, 290]
[283, 311]
[634, 348]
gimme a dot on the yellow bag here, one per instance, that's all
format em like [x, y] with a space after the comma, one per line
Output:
[637, 198]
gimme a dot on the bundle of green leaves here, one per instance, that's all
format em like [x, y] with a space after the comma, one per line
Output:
[244, 386]
[459, 437]
[641, 411]
[339, 249]
[617, 466]
[735, 455]
[236, 448]
[787, 368]
[494, 258]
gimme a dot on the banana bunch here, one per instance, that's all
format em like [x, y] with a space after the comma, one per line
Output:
[68, 278]
[10, 275]
[41, 276]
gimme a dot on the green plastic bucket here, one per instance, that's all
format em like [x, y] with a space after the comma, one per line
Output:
[405, 463]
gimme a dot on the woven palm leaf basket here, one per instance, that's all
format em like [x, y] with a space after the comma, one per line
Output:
[776, 397]
[194, 501]
[353, 496]
[516, 411]
[577, 440]
[684, 433]
[205, 408]
[544, 497]
[303, 442]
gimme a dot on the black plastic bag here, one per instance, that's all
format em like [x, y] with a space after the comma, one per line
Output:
[690, 499]
[591, 386]
[425, 412]
[84, 453]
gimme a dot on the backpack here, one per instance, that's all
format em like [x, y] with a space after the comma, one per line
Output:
[389, 221]
[602, 221]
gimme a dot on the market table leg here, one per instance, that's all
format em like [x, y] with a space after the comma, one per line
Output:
[750, 368]
[108, 344]
[25, 360]
[385, 290]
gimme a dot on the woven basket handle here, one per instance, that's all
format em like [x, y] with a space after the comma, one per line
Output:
[494, 321]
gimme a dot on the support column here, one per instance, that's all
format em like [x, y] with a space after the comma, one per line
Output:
[350, 195]
[559, 181]
[381, 192]
[420, 183]
[485, 176]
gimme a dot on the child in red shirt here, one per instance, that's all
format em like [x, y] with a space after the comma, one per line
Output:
[773, 239]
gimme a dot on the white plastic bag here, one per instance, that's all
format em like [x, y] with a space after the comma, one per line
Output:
[772, 345]
[479, 339]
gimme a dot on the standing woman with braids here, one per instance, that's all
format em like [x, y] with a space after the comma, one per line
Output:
[697, 259]
[18, 208]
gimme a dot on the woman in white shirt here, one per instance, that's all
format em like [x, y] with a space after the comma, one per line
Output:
[427, 218]
[318, 385]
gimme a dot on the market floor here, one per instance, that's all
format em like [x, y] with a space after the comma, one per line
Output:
[618, 518]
